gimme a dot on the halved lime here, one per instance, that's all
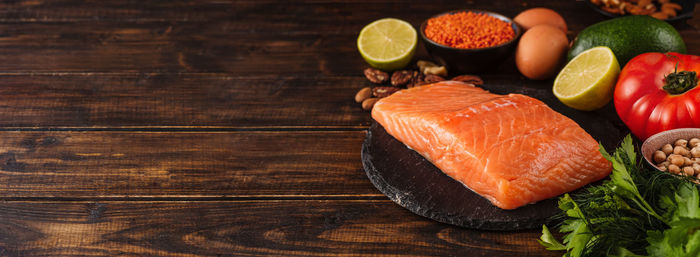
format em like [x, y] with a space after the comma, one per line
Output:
[387, 44]
[586, 83]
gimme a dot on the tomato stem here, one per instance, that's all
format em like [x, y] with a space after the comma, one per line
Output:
[679, 82]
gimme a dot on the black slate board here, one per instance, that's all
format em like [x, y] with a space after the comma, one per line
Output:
[416, 184]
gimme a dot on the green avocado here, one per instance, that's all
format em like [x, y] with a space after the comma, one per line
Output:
[628, 37]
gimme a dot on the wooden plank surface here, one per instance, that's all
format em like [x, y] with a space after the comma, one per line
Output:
[312, 38]
[204, 128]
[182, 165]
[243, 228]
[145, 100]
[204, 101]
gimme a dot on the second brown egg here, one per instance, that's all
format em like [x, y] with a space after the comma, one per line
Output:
[541, 52]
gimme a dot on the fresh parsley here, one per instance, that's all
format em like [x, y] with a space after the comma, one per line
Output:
[636, 212]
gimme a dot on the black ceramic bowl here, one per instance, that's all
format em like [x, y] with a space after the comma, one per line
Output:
[460, 60]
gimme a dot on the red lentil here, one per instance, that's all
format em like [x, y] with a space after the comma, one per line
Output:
[468, 30]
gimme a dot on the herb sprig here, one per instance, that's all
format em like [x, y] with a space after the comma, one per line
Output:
[636, 212]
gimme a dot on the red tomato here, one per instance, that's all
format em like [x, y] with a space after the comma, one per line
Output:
[650, 97]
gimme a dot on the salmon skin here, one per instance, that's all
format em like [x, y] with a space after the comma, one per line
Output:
[510, 149]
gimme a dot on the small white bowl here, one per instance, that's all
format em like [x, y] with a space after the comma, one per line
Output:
[658, 140]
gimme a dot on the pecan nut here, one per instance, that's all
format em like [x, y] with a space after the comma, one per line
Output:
[430, 78]
[416, 80]
[376, 76]
[381, 92]
[400, 78]
[471, 79]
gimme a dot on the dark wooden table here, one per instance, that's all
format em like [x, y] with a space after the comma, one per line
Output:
[205, 128]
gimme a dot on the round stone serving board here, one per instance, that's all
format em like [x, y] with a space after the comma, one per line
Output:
[416, 184]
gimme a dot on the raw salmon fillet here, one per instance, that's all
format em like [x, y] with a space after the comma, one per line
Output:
[511, 149]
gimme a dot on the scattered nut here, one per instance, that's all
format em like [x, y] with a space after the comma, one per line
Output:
[667, 149]
[671, 168]
[416, 80]
[695, 152]
[430, 78]
[681, 150]
[368, 103]
[659, 15]
[660, 9]
[612, 10]
[471, 79]
[440, 71]
[682, 159]
[376, 76]
[400, 78]
[363, 94]
[688, 171]
[676, 160]
[681, 142]
[694, 142]
[687, 161]
[381, 92]
[659, 156]
[425, 64]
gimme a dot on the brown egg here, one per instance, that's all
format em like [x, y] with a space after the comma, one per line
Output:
[537, 16]
[541, 52]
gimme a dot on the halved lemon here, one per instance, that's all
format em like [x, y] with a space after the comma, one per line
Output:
[587, 82]
[387, 44]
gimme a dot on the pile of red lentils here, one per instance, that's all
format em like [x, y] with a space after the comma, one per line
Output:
[469, 30]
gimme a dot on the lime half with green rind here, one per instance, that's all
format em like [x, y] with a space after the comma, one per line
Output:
[387, 44]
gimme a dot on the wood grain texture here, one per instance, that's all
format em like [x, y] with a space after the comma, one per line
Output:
[182, 165]
[306, 38]
[201, 100]
[147, 100]
[245, 228]
[238, 115]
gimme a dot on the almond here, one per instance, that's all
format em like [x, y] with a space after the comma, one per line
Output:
[368, 103]
[363, 94]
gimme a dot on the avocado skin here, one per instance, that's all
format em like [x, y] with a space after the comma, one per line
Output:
[628, 37]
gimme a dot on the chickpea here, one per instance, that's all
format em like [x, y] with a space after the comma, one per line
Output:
[694, 142]
[681, 151]
[695, 152]
[676, 160]
[687, 161]
[688, 171]
[674, 169]
[696, 167]
[662, 168]
[664, 164]
[667, 149]
[660, 156]
[681, 142]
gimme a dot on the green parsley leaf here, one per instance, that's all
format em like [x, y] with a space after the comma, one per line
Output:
[548, 240]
